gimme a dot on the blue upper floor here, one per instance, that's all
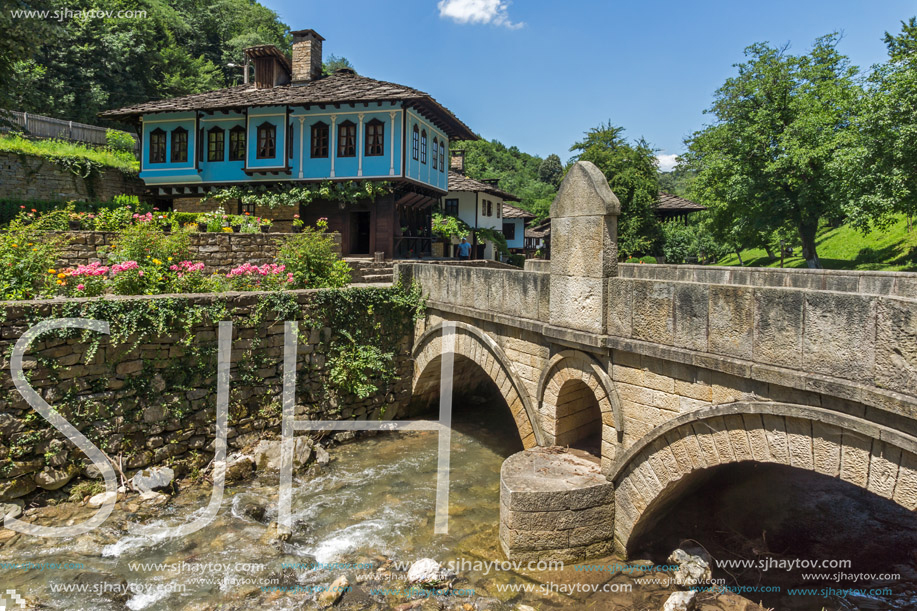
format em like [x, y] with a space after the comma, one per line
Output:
[369, 141]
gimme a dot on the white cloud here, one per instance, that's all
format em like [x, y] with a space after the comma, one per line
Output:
[478, 11]
[666, 162]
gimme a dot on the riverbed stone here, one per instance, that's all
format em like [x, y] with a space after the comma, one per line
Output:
[429, 573]
[692, 569]
[155, 478]
[334, 592]
[10, 510]
[267, 453]
[53, 479]
[102, 498]
[680, 601]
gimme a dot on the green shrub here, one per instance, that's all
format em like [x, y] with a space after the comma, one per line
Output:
[517, 260]
[185, 218]
[119, 141]
[28, 255]
[311, 258]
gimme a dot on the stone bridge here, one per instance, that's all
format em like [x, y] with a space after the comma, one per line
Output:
[662, 372]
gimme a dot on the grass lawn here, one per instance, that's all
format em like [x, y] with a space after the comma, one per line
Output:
[892, 249]
[125, 162]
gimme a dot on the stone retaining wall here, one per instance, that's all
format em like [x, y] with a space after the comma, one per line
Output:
[218, 251]
[29, 177]
[150, 399]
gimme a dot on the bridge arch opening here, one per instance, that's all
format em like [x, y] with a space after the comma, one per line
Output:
[578, 418]
[759, 516]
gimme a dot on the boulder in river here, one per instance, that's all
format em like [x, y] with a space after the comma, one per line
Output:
[692, 570]
[334, 592]
[154, 478]
[430, 573]
[103, 497]
[267, 453]
[680, 601]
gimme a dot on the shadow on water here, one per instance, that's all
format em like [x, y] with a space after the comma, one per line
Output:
[772, 515]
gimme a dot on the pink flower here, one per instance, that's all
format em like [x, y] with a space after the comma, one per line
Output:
[117, 268]
[80, 287]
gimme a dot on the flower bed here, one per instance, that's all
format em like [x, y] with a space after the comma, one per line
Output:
[145, 257]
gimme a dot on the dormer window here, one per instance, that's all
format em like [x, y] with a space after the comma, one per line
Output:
[215, 144]
[319, 140]
[179, 145]
[416, 147]
[435, 151]
[157, 146]
[347, 139]
[267, 141]
[423, 146]
[237, 143]
[375, 134]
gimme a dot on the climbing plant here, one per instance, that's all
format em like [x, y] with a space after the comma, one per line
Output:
[347, 191]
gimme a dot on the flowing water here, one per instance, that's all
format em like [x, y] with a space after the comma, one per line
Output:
[372, 509]
[373, 506]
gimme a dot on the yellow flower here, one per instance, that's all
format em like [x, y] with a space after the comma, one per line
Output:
[52, 271]
[157, 261]
[168, 258]
[15, 245]
[62, 275]
[60, 281]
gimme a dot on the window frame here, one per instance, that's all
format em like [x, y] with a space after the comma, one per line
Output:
[237, 134]
[160, 149]
[442, 156]
[266, 135]
[215, 134]
[347, 142]
[423, 147]
[435, 151]
[448, 204]
[319, 134]
[416, 143]
[511, 235]
[374, 138]
[179, 138]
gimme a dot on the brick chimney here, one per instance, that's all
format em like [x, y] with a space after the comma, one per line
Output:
[457, 161]
[307, 56]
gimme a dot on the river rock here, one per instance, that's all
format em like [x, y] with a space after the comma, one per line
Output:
[110, 586]
[334, 592]
[321, 455]
[151, 497]
[692, 570]
[252, 509]
[14, 488]
[9, 510]
[680, 601]
[267, 453]
[103, 497]
[52, 479]
[237, 468]
[429, 572]
[154, 478]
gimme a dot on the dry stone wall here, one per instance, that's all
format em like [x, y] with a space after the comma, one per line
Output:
[149, 398]
[218, 251]
[30, 177]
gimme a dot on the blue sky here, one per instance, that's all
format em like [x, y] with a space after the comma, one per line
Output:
[537, 74]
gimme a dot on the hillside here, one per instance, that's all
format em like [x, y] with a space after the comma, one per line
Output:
[892, 249]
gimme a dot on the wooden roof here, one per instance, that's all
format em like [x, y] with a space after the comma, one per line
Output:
[668, 202]
[512, 212]
[343, 87]
[460, 182]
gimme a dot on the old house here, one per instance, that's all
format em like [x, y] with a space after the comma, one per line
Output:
[295, 126]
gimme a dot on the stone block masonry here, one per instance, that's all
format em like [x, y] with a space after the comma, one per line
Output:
[220, 252]
[25, 177]
[146, 394]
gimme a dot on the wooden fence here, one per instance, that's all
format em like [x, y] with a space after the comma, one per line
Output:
[37, 126]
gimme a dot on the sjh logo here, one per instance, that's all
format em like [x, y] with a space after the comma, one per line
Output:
[11, 600]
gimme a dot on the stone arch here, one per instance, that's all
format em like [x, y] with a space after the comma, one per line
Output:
[648, 475]
[479, 348]
[573, 365]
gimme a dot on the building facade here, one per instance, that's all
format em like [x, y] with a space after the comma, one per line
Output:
[292, 126]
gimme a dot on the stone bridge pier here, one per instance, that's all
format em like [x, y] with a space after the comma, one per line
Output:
[628, 383]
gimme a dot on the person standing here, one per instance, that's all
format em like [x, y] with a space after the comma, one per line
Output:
[464, 250]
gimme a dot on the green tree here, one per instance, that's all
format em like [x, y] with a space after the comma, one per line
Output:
[334, 63]
[631, 173]
[767, 160]
[551, 171]
[21, 35]
[880, 168]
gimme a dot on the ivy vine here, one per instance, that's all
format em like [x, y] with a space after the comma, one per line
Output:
[348, 191]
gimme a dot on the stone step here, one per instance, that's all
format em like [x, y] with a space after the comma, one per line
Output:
[380, 278]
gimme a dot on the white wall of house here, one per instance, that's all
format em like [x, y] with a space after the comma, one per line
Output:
[518, 240]
[467, 202]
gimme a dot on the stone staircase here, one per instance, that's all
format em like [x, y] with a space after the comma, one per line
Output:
[366, 270]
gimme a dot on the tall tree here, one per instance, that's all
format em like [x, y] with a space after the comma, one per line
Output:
[880, 169]
[766, 162]
[631, 173]
[551, 171]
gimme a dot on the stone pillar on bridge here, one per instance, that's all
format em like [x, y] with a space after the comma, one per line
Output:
[584, 249]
